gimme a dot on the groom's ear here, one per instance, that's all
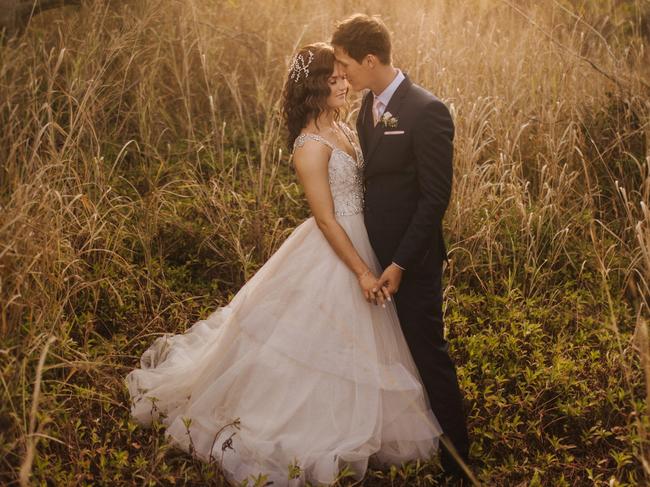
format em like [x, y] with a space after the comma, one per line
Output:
[370, 60]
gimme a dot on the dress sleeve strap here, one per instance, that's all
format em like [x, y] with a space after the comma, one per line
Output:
[302, 138]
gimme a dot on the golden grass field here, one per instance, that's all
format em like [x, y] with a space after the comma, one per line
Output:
[144, 179]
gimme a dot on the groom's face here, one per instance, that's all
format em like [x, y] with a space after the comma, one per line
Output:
[358, 74]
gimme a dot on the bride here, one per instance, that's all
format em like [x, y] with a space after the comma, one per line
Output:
[306, 371]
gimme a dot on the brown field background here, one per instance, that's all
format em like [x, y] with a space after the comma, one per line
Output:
[143, 179]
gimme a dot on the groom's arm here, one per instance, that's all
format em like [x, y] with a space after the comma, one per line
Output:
[433, 136]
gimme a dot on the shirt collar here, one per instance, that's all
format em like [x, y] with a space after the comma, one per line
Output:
[388, 92]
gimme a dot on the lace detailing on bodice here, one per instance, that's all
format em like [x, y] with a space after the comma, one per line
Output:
[345, 174]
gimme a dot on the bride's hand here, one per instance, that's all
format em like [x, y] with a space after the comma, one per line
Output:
[369, 283]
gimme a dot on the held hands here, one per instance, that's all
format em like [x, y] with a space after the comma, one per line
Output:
[391, 279]
[368, 282]
[372, 290]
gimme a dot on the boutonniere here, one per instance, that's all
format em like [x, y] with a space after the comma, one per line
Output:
[388, 121]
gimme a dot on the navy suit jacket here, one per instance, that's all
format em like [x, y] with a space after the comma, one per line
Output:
[407, 177]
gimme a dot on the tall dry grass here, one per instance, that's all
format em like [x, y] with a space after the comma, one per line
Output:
[144, 179]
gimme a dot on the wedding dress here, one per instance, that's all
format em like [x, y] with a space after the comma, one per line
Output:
[318, 377]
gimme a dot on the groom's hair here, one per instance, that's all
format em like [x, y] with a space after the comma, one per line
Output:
[361, 35]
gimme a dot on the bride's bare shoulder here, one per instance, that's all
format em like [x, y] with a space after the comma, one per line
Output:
[310, 150]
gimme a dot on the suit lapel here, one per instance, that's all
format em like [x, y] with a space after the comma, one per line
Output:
[362, 122]
[394, 104]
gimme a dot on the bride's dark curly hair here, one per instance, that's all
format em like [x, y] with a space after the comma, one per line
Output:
[306, 99]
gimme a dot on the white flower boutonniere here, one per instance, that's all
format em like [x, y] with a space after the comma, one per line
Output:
[388, 121]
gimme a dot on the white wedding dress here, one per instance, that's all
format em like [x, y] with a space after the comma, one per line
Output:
[317, 376]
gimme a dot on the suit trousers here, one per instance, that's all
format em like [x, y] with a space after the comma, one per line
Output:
[419, 308]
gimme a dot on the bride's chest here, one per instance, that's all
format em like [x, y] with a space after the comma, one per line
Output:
[343, 170]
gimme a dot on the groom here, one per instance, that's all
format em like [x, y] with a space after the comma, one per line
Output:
[406, 135]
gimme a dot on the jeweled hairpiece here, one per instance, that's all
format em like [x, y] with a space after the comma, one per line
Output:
[300, 67]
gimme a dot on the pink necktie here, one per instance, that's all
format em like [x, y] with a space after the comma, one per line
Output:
[376, 105]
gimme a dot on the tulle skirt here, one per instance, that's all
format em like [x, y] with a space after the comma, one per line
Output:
[315, 376]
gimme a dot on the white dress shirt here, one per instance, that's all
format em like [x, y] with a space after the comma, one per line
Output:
[384, 97]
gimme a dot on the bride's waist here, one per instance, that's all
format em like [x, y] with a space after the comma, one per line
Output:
[346, 217]
[348, 206]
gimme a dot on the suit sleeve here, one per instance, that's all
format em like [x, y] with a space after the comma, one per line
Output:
[433, 136]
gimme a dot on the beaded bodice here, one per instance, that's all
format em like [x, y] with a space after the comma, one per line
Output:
[345, 173]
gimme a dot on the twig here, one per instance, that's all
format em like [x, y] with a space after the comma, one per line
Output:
[600, 70]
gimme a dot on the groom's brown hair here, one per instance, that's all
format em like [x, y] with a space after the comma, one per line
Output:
[361, 35]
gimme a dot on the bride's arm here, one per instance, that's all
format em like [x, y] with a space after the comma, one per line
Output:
[311, 162]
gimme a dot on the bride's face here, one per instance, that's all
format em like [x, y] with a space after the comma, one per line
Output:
[338, 88]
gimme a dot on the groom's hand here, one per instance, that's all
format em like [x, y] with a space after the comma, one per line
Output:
[391, 278]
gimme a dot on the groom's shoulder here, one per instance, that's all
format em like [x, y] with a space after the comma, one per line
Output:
[422, 96]
[423, 99]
